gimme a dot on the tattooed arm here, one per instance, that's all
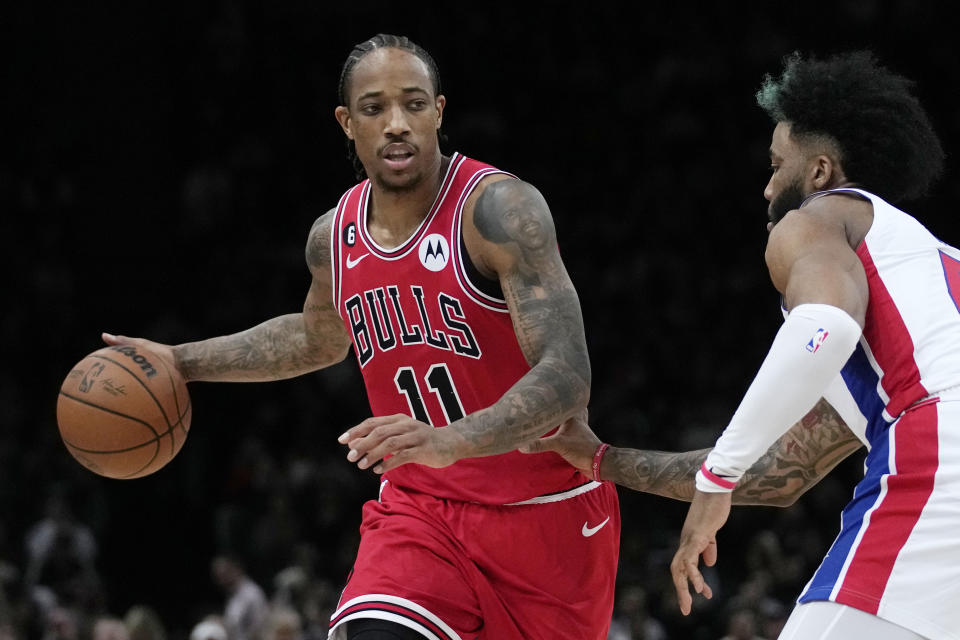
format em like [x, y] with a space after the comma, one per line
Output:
[282, 347]
[515, 239]
[510, 235]
[792, 465]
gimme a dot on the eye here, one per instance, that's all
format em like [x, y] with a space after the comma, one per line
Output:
[418, 104]
[773, 168]
[370, 109]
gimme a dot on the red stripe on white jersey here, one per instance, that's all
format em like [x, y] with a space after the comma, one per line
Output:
[890, 343]
[914, 446]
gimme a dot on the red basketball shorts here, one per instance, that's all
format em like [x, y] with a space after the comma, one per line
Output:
[464, 571]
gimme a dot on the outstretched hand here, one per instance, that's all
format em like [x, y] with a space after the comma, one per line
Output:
[574, 441]
[386, 442]
[708, 512]
[164, 351]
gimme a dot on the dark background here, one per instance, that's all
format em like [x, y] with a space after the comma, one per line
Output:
[161, 164]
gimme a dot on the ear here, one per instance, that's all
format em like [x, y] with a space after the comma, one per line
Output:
[342, 115]
[823, 172]
[441, 103]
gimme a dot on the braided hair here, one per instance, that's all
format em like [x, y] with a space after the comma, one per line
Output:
[381, 41]
[885, 139]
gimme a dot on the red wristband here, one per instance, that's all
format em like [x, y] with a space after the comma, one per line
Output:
[597, 457]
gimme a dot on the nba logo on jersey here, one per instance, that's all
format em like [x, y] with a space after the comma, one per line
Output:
[817, 340]
[434, 252]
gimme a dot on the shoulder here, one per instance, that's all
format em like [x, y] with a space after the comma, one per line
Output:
[841, 218]
[505, 208]
[318, 241]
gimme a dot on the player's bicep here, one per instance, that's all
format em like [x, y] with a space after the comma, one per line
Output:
[324, 329]
[520, 246]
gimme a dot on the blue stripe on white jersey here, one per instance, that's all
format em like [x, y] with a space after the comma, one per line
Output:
[865, 496]
[861, 380]
[863, 383]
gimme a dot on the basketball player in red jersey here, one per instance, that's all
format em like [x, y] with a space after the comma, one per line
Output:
[444, 275]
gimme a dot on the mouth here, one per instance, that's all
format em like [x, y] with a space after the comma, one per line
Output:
[398, 156]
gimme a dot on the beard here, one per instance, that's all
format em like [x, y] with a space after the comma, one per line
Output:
[395, 185]
[790, 198]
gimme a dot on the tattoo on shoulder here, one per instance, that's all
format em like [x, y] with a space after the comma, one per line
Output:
[318, 242]
[513, 211]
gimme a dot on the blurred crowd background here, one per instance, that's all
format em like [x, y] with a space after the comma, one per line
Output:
[160, 166]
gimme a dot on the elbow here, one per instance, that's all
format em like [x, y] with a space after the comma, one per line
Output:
[784, 501]
[319, 356]
[575, 388]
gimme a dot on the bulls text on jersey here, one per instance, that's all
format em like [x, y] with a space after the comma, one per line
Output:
[379, 323]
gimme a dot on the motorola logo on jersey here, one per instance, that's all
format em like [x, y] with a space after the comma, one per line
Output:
[434, 252]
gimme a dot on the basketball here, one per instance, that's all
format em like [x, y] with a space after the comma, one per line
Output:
[123, 412]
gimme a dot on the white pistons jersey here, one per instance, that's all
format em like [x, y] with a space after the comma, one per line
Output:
[898, 551]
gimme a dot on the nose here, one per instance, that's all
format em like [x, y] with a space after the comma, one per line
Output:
[768, 190]
[397, 124]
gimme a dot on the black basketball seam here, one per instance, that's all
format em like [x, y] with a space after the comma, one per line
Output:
[156, 436]
[155, 440]
[114, 412]
[176, 406]
[142, 384]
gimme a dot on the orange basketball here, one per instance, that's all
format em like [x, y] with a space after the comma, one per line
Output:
[123, 412]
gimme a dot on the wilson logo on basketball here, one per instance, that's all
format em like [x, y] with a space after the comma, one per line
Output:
[138, 359]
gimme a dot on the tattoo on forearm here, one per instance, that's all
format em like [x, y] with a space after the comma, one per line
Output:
[793, 464]
[796, 462]
[547, 322]
[272, 350]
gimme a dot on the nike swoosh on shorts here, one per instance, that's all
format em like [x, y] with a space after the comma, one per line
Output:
[589, 531]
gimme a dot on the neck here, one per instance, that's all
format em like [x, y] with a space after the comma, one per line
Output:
[395, 213]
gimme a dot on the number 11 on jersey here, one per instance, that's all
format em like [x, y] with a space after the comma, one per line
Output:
[438, 382]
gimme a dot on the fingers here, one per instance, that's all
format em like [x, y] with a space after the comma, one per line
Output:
[394, 461]
[710, 554]
[113, 340]
[684, 599]
[534, 446]
[383, 442]
[686, 573]
[368, 425]
[375, 439]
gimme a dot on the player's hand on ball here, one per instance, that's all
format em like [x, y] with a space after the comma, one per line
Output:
[165, 351]
[386, 442]
[708, 512]
[574, 441]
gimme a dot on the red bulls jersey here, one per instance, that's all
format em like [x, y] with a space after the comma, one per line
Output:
[431, 343]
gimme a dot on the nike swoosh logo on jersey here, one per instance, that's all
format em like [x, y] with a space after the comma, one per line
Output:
[352, 263]
[589, 531]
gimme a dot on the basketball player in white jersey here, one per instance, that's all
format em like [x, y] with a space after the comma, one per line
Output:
[872, 306]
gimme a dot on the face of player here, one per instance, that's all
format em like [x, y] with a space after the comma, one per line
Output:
[788, 165]
[393, 118]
